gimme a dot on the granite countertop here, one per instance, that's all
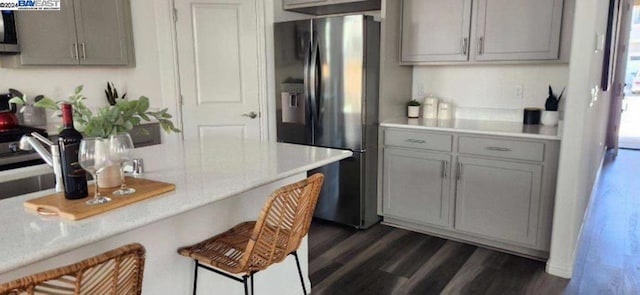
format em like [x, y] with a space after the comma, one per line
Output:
[502, 128]
[204, 172]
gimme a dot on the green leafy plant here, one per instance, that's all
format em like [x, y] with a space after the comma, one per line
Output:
[106, 121]
[413, 103]
[22, 100]
[553, 101]
[112, 94]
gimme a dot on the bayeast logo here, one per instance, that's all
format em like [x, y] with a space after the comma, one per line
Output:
[30, 5]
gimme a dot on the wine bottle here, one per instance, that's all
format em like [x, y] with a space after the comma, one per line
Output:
[74, 177]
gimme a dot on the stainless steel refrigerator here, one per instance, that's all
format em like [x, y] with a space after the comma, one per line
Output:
[327, 73]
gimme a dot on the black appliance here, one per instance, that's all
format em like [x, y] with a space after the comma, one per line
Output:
[8, 33]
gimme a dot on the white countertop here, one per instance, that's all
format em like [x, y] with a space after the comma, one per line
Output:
[203, 173]
[503, 128]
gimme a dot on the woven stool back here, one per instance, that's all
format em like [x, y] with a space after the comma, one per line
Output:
[117, 272]
[284, 221]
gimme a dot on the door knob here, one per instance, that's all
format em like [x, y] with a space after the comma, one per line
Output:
[251, 115]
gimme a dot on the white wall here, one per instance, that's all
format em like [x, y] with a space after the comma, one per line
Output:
[144, 79]
[490, 86]
[583, 142]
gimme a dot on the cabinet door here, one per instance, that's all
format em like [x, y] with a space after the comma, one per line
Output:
[416, 186]
[48, 37]
[435, 30]
[498, 199]
[517, 29]
[300, 2]
[104, 28]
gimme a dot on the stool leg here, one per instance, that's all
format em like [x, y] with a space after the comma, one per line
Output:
[304, 289]
[195, 277]
[252, 284]
[244, 281]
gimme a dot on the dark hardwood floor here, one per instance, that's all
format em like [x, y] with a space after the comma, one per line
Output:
[608, 257]
[386, 260]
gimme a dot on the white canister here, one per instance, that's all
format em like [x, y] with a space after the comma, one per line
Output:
[430, 108]
[549, 118]
[445, 111]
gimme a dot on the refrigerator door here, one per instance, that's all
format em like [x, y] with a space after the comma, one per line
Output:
[292, 63]
[341, 196]
[337, 79]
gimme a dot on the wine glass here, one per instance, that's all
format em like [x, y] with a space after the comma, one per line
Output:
[120, 151]
[93, 157]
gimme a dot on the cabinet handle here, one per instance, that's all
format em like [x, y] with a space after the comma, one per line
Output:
[459, 172]
[74, 50]
[498, 149]
[415, 140]
[481, 45]
[445, 168]
[465, 46]
[84, 51]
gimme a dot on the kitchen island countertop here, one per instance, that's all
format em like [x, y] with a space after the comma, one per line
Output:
[502, 128]
[204, 172]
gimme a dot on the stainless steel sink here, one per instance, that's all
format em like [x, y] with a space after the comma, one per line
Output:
[26, 185]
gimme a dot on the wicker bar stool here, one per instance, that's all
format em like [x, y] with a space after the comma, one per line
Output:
[253, 246]
[118, 272]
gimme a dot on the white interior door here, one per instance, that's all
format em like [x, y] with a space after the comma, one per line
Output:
[219, 62]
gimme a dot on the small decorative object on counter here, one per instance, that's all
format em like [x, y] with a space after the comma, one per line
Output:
[531, 116]
[445, 111]
[112, 94]
[138, 166]
[413, 109]
[550, 116]
[430, 107]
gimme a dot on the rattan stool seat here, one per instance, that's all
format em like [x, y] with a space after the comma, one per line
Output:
[253, 246]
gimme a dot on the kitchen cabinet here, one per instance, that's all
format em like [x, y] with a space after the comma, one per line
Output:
[325, 7]
[486, 189]
[435, 30]
[416, 186]
[462, 31]
[83, 32]
[498, 199]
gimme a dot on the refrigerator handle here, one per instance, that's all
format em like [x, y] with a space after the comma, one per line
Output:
[307, 91]
[313, 83]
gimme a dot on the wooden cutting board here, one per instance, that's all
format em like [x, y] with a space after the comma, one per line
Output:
[57, 205]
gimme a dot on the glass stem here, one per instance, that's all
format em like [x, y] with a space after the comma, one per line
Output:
[123, 186]
[97, 192]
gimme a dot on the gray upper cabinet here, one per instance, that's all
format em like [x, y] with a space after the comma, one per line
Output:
[462, 31]
[435, 30]
[104, 32]
[498, 199]
[517, 29]
[416, 186]
[83, 32]
[48, 38]
[326, 7]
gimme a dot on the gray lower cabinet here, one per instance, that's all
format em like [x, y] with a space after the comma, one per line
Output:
[416, 186]
[82, 32]
[489, 190]
[498, 199]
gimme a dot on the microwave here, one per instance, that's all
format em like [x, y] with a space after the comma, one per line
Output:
[8, 32]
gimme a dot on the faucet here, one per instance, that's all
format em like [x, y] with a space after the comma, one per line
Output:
[52, 157]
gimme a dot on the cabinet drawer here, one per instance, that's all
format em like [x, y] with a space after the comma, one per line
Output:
[512, 149]
[419, 140]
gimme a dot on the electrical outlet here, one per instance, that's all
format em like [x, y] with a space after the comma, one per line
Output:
[519, 92]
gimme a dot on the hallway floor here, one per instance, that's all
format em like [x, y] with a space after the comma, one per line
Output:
[386, 260]
[608, 258]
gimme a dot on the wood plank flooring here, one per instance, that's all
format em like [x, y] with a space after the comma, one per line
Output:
[386, 260]
[608, 257]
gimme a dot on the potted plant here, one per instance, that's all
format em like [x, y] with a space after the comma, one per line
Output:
[28, 114]
[550, 115]
[413, 109]
[108, 120]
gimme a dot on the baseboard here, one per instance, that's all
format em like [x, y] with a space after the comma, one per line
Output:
[563, 271]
